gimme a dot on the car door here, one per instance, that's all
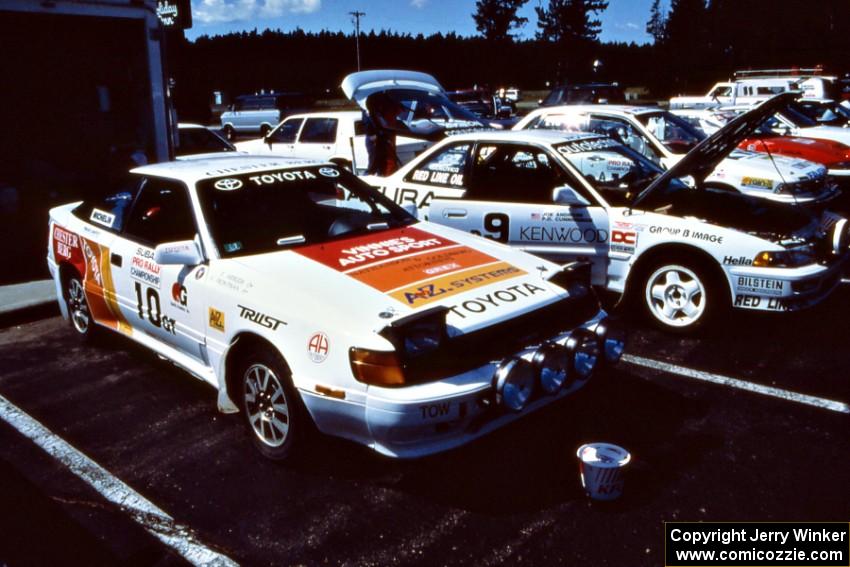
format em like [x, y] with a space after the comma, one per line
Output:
[161, 301]
[509, 198]
[317, 139]
[281, 140]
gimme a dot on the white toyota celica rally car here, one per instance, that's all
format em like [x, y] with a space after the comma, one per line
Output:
[665, 138]
[302, 294]
[686, 252]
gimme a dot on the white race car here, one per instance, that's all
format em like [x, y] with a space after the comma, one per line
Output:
[303, 295]
[685, 253]
[665, 139]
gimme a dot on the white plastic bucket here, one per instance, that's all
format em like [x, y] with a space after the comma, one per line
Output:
[601, 466]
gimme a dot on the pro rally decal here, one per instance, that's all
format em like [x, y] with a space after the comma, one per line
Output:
[412, 266]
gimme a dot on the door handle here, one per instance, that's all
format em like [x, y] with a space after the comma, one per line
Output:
[116, 260]
[455, 213]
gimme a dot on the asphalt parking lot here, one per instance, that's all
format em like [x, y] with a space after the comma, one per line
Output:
[702, 451]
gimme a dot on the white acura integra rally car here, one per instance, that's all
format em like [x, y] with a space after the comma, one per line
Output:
[665, 138]
[304, 295]
[686, 252]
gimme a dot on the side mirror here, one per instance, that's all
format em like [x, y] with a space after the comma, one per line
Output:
[180, 253]
[565, 195]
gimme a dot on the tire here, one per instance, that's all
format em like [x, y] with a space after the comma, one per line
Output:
[229, 132]
[78, 308]
[272, 411]
[679, 295]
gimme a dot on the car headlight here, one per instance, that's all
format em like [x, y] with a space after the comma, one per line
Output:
[784, 258]
[612, 339]
[840, 236]
[552, 363]
[584, 348]
[514, 383]
[418, 334]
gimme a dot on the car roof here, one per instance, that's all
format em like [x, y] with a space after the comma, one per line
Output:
[340, 114]
[192, 171]
[530, 136]
[612, 108]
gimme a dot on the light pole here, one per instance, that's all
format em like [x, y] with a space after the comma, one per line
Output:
[357, 15]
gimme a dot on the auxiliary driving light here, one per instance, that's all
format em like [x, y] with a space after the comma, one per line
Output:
[612, 339]
[585, 350]
[552, 363]
[514, 383]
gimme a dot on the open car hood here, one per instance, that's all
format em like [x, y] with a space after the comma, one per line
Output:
[705, 156]
[358, 86]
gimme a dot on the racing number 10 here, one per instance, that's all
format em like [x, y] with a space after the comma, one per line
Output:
[498, 224]
[153, 308]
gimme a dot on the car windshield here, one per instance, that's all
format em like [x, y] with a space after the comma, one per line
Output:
[616, 171]
[674, 132]
[200, 141]
[420, 108]
[252, 213]
[793, 114]
[828, 114]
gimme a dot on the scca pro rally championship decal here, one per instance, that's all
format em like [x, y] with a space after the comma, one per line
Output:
[412, 266]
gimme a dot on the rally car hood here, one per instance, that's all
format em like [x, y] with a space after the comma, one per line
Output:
[761, 165]
[761, 217]
[705, 157]
[370, 280]
[826, 152]
[834, 133]
[358, 86]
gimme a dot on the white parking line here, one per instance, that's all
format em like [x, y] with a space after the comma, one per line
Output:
[142, 511]
[822, 403]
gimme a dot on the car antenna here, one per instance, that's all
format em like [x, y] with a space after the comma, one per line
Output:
[776, 167]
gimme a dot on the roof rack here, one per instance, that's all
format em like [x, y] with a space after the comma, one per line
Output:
[792, 72]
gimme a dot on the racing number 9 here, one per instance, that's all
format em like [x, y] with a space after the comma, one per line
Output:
[499, 224]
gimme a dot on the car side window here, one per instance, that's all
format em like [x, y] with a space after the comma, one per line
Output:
[111, 211]
[162, 213]
[515, 173]
[625, 133]
[286, 132]
[445, 169]
[319, 131]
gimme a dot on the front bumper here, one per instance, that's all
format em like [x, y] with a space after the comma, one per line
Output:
[784, 289]
[428, 418]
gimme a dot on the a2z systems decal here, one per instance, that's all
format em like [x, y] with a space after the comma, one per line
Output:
[144, 269]
[754, 302]
[412, 266]
[317, 347]
[495, 299]
[623, 241]
[761, 286]
[102, 218]
[260, 318]
[216, 319]
[426, 293]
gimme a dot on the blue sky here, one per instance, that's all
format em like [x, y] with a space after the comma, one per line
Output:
[624, 20]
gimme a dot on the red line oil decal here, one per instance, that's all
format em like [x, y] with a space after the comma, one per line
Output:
[397, 261]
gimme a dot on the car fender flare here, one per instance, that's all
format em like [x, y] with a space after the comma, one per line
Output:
[227, 384]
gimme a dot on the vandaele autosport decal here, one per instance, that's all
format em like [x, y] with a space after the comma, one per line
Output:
[412, 266]
[91, 260]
